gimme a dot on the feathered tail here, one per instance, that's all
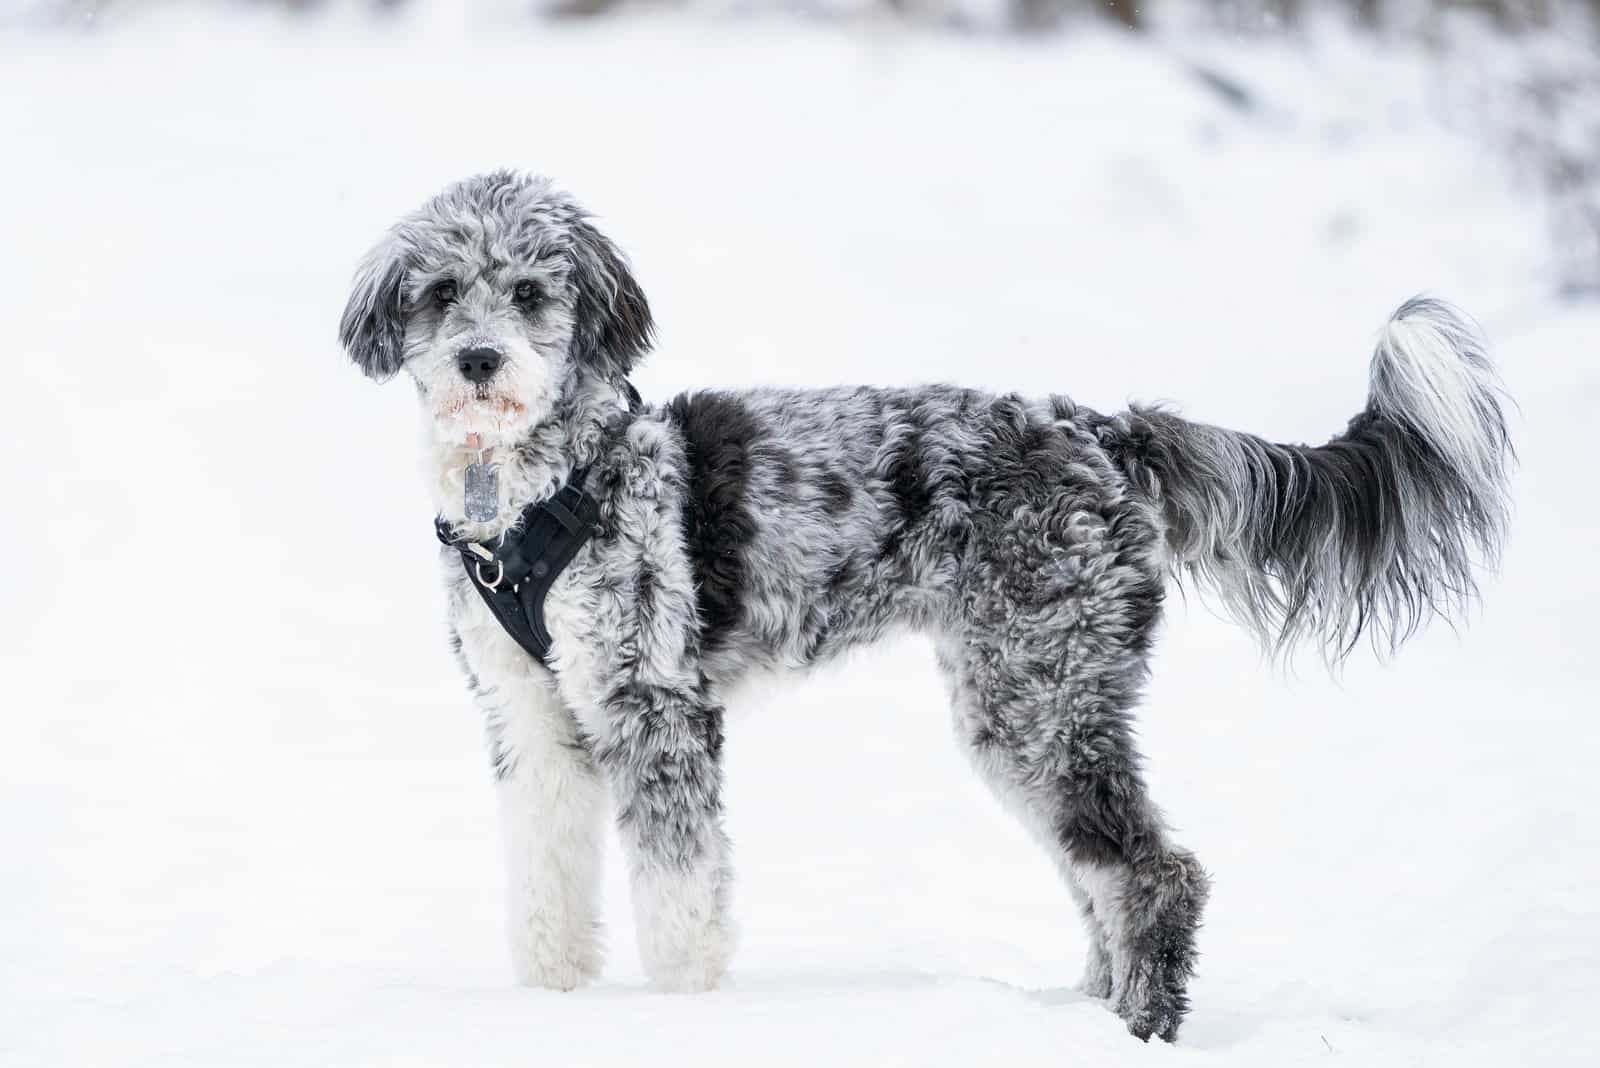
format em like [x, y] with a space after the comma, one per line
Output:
[1374, 532]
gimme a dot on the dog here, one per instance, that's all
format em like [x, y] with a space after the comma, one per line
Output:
[1030, 539]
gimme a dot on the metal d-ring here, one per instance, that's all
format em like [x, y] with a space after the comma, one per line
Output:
[500, 573]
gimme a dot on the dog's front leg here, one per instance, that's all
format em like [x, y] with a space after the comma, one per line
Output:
[662, 755]
[552, 814]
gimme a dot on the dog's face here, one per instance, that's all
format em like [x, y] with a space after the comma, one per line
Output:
[496, 296]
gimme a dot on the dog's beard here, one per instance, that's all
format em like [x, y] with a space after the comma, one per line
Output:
[496, 421]
[483, 410]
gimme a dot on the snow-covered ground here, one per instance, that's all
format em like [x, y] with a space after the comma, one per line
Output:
[244, 812]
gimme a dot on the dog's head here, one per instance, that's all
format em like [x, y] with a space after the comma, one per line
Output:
[495, 296]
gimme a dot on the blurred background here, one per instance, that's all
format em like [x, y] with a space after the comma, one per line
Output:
[1521, 76]
[245, 813]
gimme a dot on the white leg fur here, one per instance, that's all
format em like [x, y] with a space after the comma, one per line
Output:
[686, 937]
[552, 809]
[552, 816]
[1097, 970]
[1111, 965]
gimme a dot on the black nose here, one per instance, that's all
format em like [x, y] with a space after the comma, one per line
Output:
[478, 364]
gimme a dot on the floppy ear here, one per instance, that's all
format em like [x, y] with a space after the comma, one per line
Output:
[372, 329]
[612, 328]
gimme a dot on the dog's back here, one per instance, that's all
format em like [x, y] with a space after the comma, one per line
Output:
[817, 519]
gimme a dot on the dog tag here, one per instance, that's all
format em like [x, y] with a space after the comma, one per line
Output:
[483, 492]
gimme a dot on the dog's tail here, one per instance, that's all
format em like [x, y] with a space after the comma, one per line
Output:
[1376, 531]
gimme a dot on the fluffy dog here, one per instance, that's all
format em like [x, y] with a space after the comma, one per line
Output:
[1030, 539]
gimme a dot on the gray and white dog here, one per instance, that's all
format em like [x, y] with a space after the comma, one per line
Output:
[1030, 539]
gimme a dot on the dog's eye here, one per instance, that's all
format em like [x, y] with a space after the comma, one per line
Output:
[526, 294]
[444, 294]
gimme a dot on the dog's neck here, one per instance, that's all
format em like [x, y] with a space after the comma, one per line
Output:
[529, 470]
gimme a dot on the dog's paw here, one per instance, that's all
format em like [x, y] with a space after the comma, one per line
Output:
[1154, 1000]
[562, 974]
[562, 962]
[686, 937]
[688, 960]
[692, 975]
[1160, 1021]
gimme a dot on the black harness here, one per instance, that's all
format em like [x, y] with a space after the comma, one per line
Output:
[513, 577]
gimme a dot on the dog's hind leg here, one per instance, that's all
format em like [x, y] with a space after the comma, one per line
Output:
[1150, 896]
[1067, 768]
[998, 771]
[662, 754]
[1046, 659]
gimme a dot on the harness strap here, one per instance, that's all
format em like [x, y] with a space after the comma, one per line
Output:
[514, 576]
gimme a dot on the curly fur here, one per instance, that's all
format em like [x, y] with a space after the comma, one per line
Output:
[1031, 540]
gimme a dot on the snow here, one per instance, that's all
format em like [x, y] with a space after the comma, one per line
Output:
[245, 816]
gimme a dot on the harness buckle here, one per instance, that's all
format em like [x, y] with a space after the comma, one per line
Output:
[499, 574]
